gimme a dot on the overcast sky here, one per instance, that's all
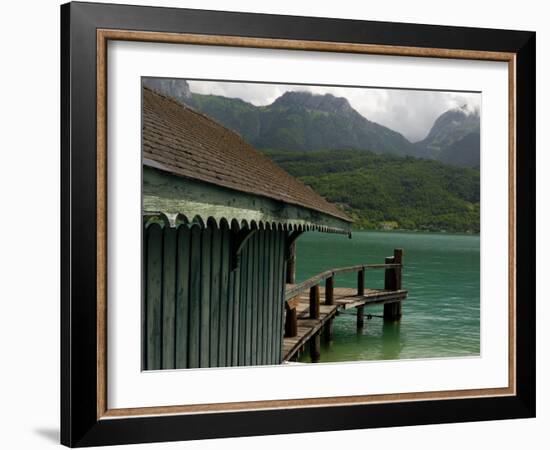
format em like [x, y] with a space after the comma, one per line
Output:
[412, 113]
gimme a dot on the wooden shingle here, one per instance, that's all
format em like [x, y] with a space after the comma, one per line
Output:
[186, 143]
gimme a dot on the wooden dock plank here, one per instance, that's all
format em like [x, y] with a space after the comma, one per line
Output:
[307, 328]
[343, 298]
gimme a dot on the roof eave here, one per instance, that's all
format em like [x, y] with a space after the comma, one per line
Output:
[179, 200]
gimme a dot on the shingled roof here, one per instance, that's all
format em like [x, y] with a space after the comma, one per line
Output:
[184, 142]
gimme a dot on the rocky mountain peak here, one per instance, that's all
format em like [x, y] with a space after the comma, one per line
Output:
[175, 88]
[327, 102]
[461, 120]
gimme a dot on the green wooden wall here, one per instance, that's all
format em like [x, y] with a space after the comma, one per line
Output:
[197, 312]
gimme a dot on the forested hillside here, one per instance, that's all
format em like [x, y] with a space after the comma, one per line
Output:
[302, 121]
[383, 191]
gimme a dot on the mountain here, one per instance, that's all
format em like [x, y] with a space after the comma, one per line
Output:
[463, 152]
[175, 88]
[385, 191]
[453, 139]
[234, 113]
[299, 121]
[302, 121]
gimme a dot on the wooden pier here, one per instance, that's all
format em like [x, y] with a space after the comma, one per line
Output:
[312, 308]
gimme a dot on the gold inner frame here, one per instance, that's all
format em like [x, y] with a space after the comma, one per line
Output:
[104, 35]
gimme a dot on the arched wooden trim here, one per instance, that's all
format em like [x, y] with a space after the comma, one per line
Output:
[212, 223]
[197, 220]
[174, 220]
[224, 224]
[155, 218]
[181, 219]
[235, 225]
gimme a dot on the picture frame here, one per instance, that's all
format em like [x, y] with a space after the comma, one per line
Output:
[86, 418]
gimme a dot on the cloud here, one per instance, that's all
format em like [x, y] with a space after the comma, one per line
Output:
[410, 112]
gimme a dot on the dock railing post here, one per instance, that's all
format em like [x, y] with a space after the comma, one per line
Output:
[389, 277]
[329, 291]
[315, 348]
[392, 282]
[315, 313]
[314, 302]
[361, 282]
[360, 291]
[329, 300]
[398, 259]
[291, 320]
[290, 276]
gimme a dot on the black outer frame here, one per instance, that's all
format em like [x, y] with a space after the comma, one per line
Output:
[79, 425]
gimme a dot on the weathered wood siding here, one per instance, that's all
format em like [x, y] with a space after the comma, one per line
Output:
[197, 312]
[171, 195]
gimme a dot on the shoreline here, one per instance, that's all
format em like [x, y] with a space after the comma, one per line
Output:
[399, 230]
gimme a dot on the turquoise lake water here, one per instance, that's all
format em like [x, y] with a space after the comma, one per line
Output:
[441, 313]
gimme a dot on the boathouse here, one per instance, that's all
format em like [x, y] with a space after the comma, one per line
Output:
[219, 224]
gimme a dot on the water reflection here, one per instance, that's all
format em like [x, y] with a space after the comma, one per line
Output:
[441, 316]
[392, 342]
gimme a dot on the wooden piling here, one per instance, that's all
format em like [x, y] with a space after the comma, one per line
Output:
[392, 281]
[389, 275]
[398, 259]
[361, 282]
[291, 319]
[392, 311]
[291, 264]
[315, 321]
[328, 331]
[314, 302]
[360, 316]
[291, 323]
[329, 291]
[315, 348]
